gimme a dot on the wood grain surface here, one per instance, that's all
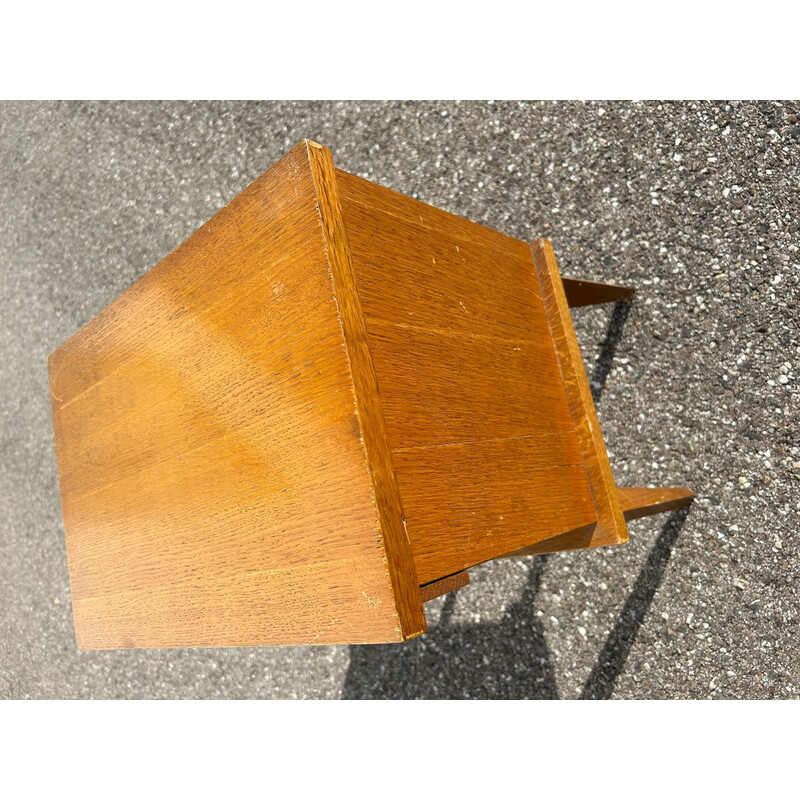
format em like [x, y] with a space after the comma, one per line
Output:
[639, 502]
[483, 441]
[402, 570]
[635, 503]
[216, 489]
[436, 589]
[610, 527]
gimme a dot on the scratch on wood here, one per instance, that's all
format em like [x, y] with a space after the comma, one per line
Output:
[372, 602]
[324, 630]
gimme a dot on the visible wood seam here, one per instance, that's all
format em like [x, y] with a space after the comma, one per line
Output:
[456, 334]
[417, 447]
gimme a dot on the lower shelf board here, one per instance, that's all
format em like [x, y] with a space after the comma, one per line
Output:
[444, 585]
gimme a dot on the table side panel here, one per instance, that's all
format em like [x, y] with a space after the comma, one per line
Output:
[214, 483]
[482, 438]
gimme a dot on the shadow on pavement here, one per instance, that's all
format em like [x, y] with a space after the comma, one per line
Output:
[502, 660]
[605, 360]
[611, 660]
[509, 659]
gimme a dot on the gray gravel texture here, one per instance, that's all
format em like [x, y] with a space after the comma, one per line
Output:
[694, 204]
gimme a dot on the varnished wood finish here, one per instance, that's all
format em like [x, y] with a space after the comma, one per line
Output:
[469, 503]
[482, 437]
[368, 402]
[610, 527]
[576, 539]
[588, 293]
[449, 584]
[317, 413]
[642, 502]
[635, 503]
[219, 485]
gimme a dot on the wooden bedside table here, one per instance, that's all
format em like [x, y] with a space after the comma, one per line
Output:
[316, 414]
